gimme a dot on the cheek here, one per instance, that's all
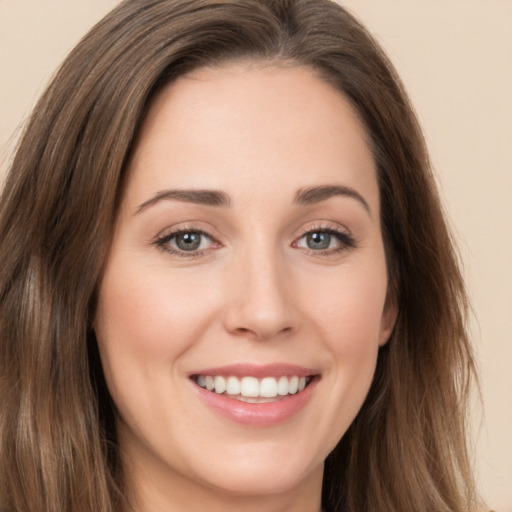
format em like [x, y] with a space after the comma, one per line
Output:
[353, 336]
[348, 316]
[149, 315]
[143, 325]
[349, 310]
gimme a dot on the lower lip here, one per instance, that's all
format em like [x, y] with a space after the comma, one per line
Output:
[257, 415]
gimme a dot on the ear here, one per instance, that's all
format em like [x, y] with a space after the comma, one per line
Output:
[389, 316]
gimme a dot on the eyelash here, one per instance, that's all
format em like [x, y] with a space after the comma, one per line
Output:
[347, 241]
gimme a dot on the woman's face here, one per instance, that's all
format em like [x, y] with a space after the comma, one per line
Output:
[247, 255]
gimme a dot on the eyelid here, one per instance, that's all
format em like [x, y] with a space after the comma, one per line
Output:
[328, 226]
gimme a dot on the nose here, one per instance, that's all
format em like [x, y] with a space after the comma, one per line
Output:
[260, 299]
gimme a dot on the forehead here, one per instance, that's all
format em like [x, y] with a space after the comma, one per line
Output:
[245, 126]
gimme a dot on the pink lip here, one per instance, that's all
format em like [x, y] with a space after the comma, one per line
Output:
[258, 371]
[257, 414]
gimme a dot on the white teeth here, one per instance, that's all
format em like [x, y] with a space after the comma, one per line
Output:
[251, 387]
[293, 385]
[233, 386]
[282, 386]
[268, 387]
[210, 383]
[220, 385]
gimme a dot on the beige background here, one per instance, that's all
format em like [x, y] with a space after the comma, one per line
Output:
[455, 57]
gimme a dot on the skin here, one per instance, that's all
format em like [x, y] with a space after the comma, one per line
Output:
[255, 292]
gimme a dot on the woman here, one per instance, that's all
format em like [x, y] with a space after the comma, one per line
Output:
[227, 281]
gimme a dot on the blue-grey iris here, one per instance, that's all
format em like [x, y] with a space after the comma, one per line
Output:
[318, 240]
[188, 241]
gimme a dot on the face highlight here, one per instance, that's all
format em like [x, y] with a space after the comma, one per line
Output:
[243, 300]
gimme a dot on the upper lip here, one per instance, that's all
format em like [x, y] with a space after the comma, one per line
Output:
[259, 371]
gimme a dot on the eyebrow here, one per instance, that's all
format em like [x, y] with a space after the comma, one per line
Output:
[312, 195]
[204, 197]
[305, 196]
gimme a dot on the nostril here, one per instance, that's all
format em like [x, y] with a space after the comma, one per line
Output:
[262, 334]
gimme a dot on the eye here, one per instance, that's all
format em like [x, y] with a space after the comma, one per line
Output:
[322, 241]
[186, 242]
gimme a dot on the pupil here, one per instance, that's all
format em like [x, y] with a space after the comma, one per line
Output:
[188, 241]
[319, 240]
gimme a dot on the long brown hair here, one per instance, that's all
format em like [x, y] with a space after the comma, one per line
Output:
[406, 450]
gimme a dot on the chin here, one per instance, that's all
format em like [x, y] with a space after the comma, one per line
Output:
[262, 470]
[258, 480]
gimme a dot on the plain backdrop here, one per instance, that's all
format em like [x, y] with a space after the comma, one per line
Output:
[455, 57]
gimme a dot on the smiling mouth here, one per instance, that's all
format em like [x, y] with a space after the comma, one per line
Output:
[251, 389]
